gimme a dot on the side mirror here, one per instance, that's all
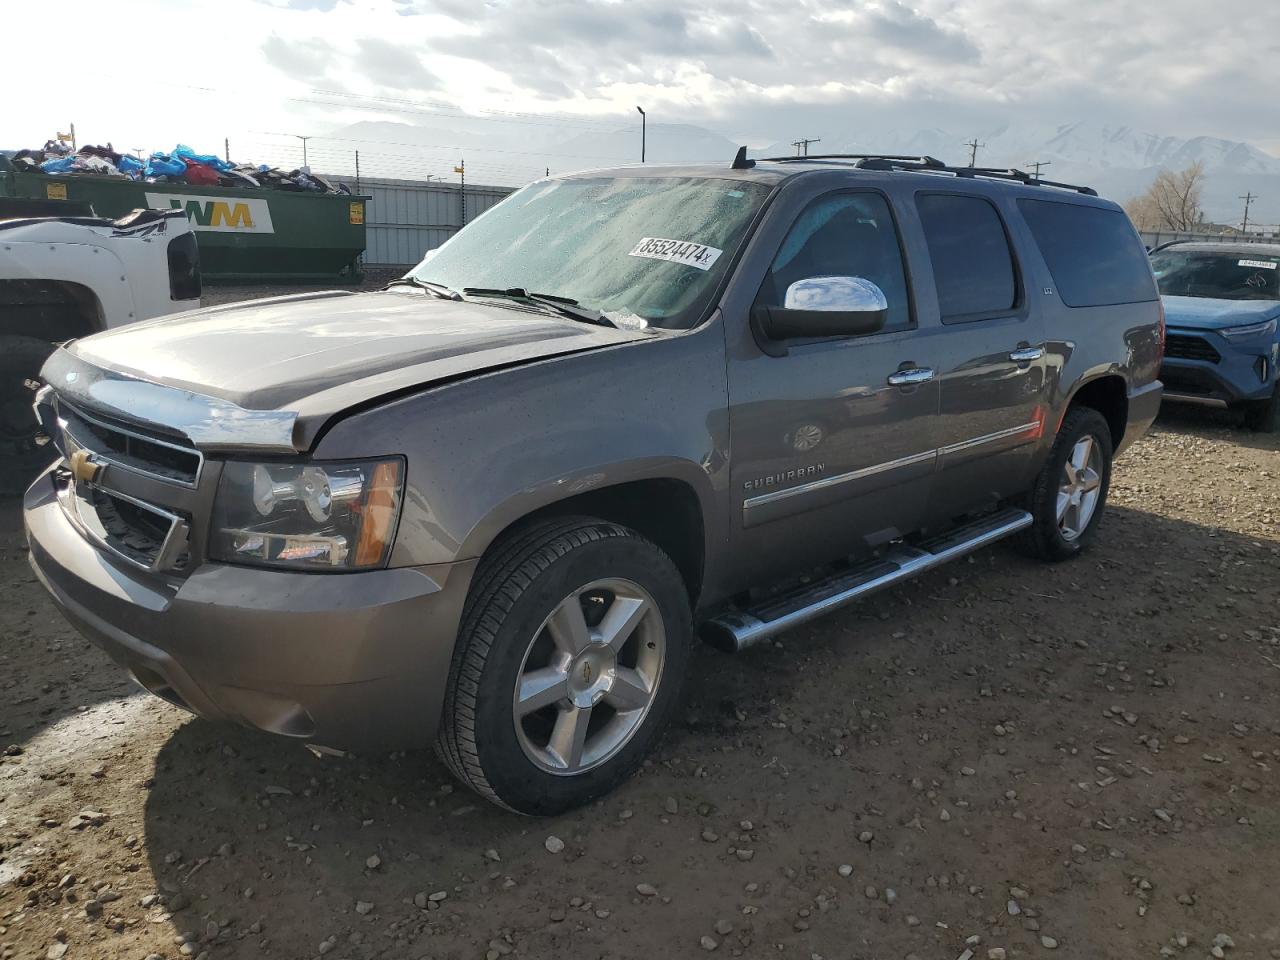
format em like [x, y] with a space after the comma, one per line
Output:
[824, 307]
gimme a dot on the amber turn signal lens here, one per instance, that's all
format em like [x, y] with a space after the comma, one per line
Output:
[381, 508]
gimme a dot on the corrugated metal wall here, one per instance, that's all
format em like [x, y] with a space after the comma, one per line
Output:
[406, 218]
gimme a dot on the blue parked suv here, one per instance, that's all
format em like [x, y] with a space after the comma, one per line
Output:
[1222, 303]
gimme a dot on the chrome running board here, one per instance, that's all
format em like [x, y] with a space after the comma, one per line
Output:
[738, 629]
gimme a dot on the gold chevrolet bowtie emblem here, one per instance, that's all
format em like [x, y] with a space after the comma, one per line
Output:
[84, 468]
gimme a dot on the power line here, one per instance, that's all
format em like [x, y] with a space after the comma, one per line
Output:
[455, 109]
[450, 146]
[803, 145]
[441, 109]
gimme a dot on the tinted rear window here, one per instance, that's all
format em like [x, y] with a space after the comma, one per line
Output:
[1094, 254]
[972, 266]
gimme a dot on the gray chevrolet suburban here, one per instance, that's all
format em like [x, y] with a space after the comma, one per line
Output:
[491, 506]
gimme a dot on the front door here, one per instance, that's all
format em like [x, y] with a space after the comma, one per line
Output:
[992, 374]
[832, 442]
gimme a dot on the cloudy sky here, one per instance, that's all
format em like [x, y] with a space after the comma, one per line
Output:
[151, 74]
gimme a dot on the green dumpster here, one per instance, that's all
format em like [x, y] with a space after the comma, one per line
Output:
[245, 236]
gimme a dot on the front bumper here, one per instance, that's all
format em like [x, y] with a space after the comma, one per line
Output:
[352, 661]
[1240, 372]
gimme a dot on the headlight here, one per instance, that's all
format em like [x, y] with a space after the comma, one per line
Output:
[1250, 330]
[330, 516]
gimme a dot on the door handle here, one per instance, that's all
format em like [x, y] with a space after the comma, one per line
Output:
[1026, 354]
[910, 375]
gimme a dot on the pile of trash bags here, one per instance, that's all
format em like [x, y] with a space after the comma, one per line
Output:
[182, 165]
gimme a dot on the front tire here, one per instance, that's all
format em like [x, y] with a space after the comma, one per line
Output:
[1070, 492]
[569, 663]
[20, 361]
[1263, 416]
[21, 455]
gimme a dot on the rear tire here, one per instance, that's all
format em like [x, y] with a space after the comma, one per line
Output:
[1070, 492]
[542, 713]
[1263, 416]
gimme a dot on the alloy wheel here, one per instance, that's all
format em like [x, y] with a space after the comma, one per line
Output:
[1081, 488]
[589, 676]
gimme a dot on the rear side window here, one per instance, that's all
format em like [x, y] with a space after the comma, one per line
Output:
[972, 265]
[1094, 254]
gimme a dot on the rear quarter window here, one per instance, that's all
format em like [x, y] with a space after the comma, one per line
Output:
[1093, 254]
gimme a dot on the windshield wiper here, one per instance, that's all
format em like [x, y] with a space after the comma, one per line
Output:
[435, 289]
[565, 306]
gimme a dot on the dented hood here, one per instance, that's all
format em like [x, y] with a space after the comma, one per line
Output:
[320, 354]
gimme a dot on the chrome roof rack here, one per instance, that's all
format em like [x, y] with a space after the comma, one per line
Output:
[927, 164]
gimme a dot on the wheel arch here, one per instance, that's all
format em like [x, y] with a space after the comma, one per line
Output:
[665, 509]
[1108, 394]
[49, 309]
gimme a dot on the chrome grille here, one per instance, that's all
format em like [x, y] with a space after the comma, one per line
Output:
[128, 449]
[141, 533]
[128, 490]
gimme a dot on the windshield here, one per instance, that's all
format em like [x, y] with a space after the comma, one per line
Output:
[641, 249]
[1221, 276]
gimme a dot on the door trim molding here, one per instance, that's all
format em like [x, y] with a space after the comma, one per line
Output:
[862, 473]
[988, 438]
[849, 477]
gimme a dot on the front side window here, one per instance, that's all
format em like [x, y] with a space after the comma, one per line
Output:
[1220, 276]
[843, 235]
[646, 247]
[972, 265]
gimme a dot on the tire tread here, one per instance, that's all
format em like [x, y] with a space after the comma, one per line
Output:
[500, 581]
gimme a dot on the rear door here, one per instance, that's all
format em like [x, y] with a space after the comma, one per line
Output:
[832, 439]
[992, 371]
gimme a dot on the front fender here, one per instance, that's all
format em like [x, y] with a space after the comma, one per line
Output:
[482, 453]
[88, 265]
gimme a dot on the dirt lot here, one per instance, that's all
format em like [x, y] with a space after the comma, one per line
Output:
[1003, 756]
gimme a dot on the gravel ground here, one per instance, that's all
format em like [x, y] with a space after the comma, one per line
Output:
[1002, 759]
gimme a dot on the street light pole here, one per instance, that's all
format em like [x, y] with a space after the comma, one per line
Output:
[304, 146]
[643, 124]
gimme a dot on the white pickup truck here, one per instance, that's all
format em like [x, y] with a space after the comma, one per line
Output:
[64, 277]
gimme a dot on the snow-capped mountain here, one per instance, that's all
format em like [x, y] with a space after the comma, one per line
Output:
[1081, 145]
[1119, 161]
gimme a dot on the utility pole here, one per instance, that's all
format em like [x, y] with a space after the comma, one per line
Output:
[461, 170]
[803, 145]
[226, 148]
[357, 171]
[1037, 164]
[1248, 198]
[644, 122]
[973, 146]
